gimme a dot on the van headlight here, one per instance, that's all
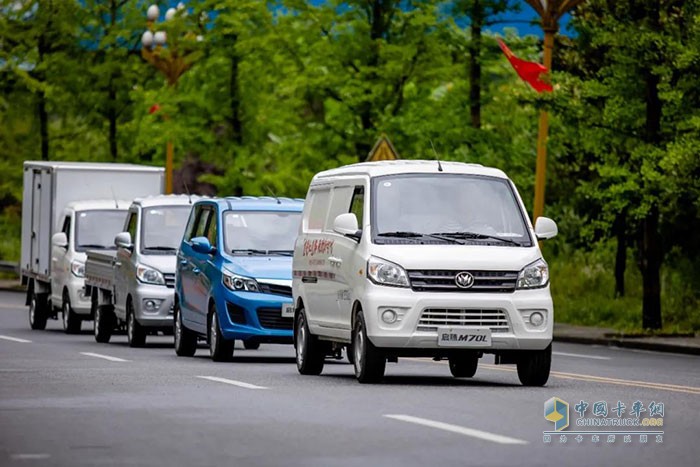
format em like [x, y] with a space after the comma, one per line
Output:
[148, 275]
[534, 275]
[240, 283]
[383, 272]
[77, 268]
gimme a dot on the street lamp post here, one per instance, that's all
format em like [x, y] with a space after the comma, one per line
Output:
[172, 58]
[550, 12]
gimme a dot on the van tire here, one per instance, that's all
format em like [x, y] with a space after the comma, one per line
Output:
[185, 340]
[220, 349]
[104, 323]
[135, 333]
[71, 321]
[310, 352]
[38, 311]
[463, 364]
[534, 365]
[369, 362]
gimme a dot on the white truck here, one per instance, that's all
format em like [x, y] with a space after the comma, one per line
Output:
[68, 208]
[133, 286]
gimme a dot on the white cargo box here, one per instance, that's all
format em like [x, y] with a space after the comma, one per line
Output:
[50, 186]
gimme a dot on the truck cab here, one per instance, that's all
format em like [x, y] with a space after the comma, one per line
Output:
[133, 286]
[85, 225]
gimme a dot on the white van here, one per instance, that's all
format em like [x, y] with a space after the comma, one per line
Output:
[423, 259]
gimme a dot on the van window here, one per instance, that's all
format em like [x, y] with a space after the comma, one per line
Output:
[66, 227]
[340, 200]
[203, 222]
[211, 229]
[318, 209]
[131, 225]
[357, 204]
[192, 223]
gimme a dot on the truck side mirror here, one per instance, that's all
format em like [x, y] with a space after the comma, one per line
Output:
[202, 245]
[59, 240]
[545, 228]
[346, 224]
[123, 240]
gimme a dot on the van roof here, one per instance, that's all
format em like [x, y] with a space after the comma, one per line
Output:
[379, 168]
[267, 203]
[165, 200]
[98, 204]
[112, 166]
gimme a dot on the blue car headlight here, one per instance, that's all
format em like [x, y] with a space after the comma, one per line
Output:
[238, 283]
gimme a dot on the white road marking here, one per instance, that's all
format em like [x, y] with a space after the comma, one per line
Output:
[578, 355]
[27, 457]
[14, 339]
[11, 307]
[105, 357]
[232, 382]
[485, 435]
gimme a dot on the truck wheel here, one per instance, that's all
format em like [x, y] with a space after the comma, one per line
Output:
[185, 340]
[311, 352]
[251, 344]
[135, 333]
[463, 364]
[220, 349]
[369, 361]
[38, 314]
[103, 323]
[71, 321]
[534, 365]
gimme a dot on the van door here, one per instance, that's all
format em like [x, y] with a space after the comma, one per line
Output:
[190, 268]
[124, 267]
[60, 263]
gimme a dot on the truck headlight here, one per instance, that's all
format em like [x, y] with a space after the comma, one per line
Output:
[383, 272]
[149, 275]
[77, 268]
[534, 275]
[240, 283]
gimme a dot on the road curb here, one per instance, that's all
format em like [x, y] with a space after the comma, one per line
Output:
[630, 344]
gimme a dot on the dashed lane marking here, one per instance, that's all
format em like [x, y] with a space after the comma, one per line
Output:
[578, 355]
[14, 339]
[462, 430]
[232, 382]
[104, 357]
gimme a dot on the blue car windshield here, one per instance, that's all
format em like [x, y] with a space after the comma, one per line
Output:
[260, 232]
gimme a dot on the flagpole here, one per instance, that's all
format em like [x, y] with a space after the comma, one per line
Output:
[542, 134]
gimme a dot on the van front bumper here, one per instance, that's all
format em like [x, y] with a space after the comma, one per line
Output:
[254, 315]
[153, 305]
[79, 302]
[421, 314]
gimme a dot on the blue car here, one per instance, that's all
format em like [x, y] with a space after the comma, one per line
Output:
[234, 274]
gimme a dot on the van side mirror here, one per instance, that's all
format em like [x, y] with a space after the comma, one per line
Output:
[59, 240]
[202, 245]
[346, 224]
[123, 240]
[545, 228]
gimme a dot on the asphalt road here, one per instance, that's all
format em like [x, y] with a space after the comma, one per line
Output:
[66, 400]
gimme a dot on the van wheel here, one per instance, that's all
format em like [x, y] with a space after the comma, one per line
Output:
[185, 340]
[135, 333]
[104, 322]
[71, 321]
[220, 349]
[534, 365]
[38, 313]
[310, 352]
[464, 364]
[369, 361]
[350, 354]
[251, 344]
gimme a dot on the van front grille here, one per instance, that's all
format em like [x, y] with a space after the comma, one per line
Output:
[275, 289]
[169, 280]
[496, 320]
[444, 281]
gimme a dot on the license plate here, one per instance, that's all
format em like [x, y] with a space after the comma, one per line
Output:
[461, 337]
[288, 310]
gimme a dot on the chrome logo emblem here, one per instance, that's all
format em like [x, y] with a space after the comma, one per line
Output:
[464, 280]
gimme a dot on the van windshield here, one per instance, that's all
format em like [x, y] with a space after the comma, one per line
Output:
[441, 208]
[162, 228]
[261, 232]
[95, 230]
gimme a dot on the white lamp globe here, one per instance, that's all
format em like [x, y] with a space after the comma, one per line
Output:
[147, 39]
[170, 14]
[152, 13]
[160, 38]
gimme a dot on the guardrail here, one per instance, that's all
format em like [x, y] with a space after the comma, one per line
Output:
[8, 266]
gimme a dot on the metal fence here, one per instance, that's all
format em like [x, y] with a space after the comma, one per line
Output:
[8, 266]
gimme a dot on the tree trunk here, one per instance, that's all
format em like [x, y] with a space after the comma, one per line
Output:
[234, 95]
[41, 104]
[621, 255]
[477, 20]
[650, 250]
[112, 117]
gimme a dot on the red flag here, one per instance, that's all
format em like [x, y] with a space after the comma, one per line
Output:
[530, 72]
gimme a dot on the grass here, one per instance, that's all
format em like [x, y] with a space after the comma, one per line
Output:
[583, 290]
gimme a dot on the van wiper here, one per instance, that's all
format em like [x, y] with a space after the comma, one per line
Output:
[160, 248]
[403, 234]
[95, 246]
[282, 252]
[250, 251]
[477, 235]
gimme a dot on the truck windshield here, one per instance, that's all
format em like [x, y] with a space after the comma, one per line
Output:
[96, 229]
[261, 232]
[162, 228]
[446, 208]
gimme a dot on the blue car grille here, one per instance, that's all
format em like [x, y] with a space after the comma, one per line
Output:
[271, 318]
[275, 289]
[236, 313]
